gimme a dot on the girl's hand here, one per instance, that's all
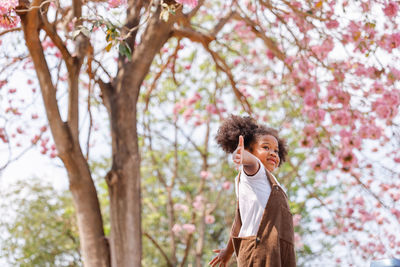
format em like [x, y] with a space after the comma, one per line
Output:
[222, 258]
[237, 155]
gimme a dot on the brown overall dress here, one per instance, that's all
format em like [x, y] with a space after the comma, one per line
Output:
[273, 246]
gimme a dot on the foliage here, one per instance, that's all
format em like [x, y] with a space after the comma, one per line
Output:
[40, 229]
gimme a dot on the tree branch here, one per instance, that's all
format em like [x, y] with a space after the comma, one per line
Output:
[205, 39]
[10, 30]
[267, 40]
[158, 75]
[169, 264]
[31, 25]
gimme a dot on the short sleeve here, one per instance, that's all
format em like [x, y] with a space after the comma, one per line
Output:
[260, 174]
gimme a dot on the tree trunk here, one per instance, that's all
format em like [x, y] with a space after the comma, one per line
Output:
[124, 178]
[94, 245]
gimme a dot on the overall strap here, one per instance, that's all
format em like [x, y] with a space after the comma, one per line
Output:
[271, 180]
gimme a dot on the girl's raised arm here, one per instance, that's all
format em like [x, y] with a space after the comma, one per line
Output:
[243, 157]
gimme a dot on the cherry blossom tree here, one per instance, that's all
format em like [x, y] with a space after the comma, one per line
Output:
[323, 72]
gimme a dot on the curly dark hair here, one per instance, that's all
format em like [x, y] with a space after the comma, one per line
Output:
[234, 126]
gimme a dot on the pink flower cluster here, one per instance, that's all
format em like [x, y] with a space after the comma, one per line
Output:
[8, 18]
[3, 136]
[209, 219]
[198, 203]
[116, 3]
[187, 103]
[390, 41]
[191, 3]
[341, 117]
[323, 50]
[205, 175]
[181, 207]
[187, 227]
[323, 161]
[391, 9]
[370, 131]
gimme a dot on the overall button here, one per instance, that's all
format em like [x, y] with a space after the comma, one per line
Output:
[257, 240]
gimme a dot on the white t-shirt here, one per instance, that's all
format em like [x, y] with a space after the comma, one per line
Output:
[253, 196]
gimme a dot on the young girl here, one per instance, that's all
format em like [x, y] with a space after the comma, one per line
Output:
[262, 233]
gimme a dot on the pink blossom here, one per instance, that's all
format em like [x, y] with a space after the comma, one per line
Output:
[297, 241]
[296, 219]
[191, 3]
[377, 88]
[177, 228]
[394, 73]
[181, 207]
[383, 111]
[177, 107]
[289, 60]
[374, 132]
[392, 97]
[310, 98]
[304, 85]
[315, 114]
[7, 5]
[309, 130]
[46, 44]
[366, 216]
[323, 160]
[187, 114]
[209, 219]
[116, 3]
[226, 185]
[396, 213]
[270, 54]
[343, 133]
[391, 9]
[8, 18]
[2, 83]
[332, 24]
[3, 136]
[196, 97]
[307, 142]
[349, 211]
[189, 228]
[212, 109]
[205, 174]
[323, 50]
[390, 41]
[352, 141]
[358, 201]
[347, 158]
[237, 61]
[198, 203]
[341, 117]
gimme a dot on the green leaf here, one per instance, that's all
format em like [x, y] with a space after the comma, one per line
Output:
[125, 50]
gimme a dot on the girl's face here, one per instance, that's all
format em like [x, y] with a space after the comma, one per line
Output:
[266, 149]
